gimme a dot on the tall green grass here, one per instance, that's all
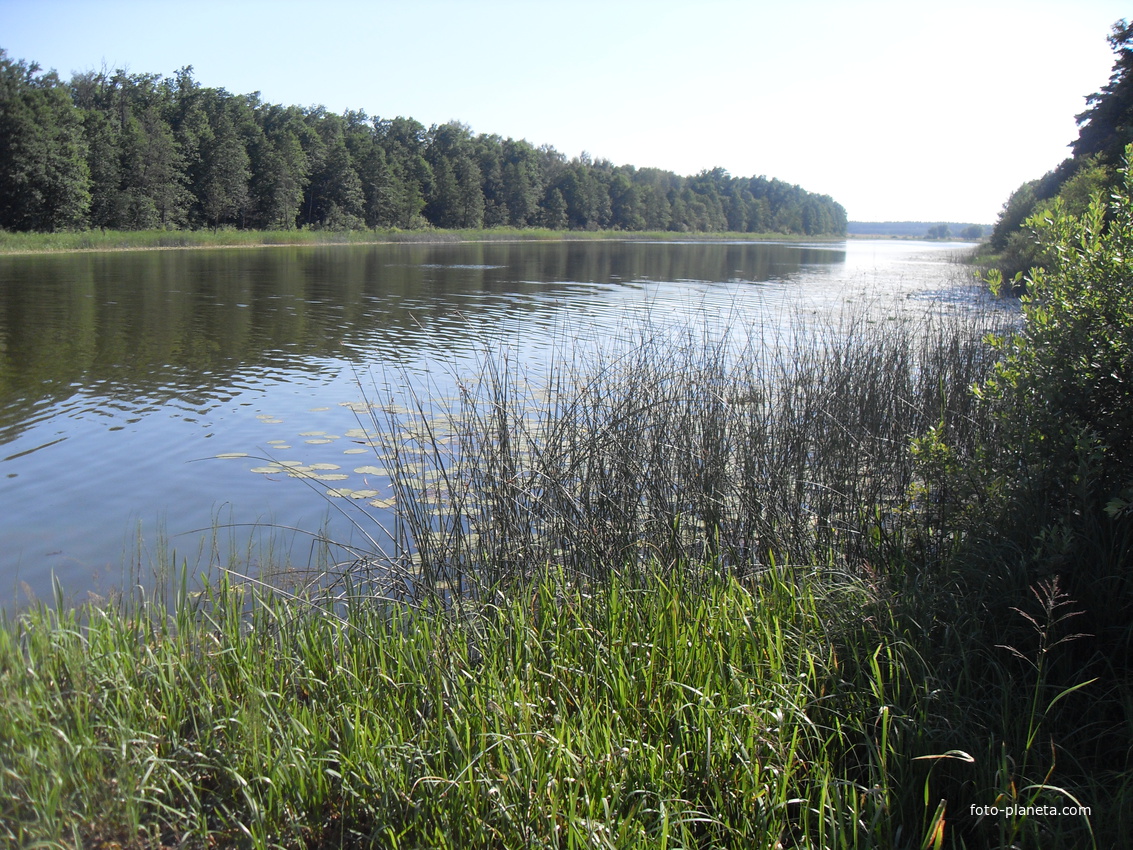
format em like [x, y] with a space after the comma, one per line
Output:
[121, 240]
[670, 708]
[124, 240]
[685, 592]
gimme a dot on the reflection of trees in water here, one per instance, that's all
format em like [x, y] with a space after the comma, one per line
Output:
[181, 325]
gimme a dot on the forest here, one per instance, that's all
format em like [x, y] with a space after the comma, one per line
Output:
[139, 151]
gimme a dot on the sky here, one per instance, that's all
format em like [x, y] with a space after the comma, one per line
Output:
[901, 110]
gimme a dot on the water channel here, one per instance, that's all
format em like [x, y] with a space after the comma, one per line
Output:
[138, 390]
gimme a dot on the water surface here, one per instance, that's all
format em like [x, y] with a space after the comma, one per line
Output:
[124, 375]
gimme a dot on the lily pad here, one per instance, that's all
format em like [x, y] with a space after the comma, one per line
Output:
[356, 406]
[371, 470]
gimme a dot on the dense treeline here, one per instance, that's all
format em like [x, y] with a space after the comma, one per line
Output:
[1097, 155]
[140, 151]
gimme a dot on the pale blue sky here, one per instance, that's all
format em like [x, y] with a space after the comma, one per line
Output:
[899, 109]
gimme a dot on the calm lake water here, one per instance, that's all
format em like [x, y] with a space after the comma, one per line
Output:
[124, 375]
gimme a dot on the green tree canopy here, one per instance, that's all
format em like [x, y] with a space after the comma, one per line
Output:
[1106, 127]
[44, 178]
[126, 150]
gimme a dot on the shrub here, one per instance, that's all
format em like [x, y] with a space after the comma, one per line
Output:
[1063, 391]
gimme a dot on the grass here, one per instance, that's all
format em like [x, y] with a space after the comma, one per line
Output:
[670, 708]
[134, 240]
[688, 592]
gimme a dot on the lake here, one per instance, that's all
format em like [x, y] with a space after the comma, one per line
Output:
[138, 390]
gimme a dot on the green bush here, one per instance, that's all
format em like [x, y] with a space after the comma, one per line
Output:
[1063, 391]
[1018, 248]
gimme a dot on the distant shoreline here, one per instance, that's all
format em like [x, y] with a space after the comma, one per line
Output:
[17, 244]
[902, 238]
[960, 231]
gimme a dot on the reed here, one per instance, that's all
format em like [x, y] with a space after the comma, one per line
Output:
[133, 240]
[680, 447]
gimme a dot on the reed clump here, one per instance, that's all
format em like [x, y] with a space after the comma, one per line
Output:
[680, 447]
[136, 240]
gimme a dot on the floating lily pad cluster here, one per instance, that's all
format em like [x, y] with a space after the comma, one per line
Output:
[296, 469]
[407, 460]
[503, 476]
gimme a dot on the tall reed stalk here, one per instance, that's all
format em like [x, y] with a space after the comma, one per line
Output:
[679, 448]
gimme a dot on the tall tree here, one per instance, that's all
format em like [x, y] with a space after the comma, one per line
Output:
[334, 195]
[153, 171]
[411, 176]
[1106, 127]
[656, 209]
[457, 199]
[489, 158]
[626, 206]
[108, 207]
[225, 174]
[92, 92]
[44, 177]
[278, 181]
[372, 168]
[522, 182]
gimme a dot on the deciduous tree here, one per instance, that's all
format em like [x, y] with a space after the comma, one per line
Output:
[44, 178]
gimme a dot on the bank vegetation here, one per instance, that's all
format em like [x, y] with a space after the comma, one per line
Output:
[151, 240]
